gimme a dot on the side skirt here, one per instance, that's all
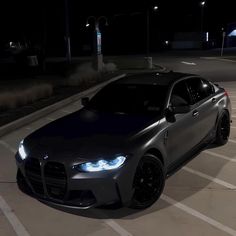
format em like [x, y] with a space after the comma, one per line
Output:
[206, 142]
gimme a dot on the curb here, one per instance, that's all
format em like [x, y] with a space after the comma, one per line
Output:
[163, 69]
[156, 68]
[49, 109]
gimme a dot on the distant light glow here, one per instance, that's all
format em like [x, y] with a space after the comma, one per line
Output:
[87, 25]
[207, 36]
[155, 8]
[167, 42]
[12, 45]
[203, 3]
[233, 33]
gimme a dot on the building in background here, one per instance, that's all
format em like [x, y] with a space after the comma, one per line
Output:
[231, 35]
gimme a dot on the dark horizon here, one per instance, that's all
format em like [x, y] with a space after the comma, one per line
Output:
[36, 21]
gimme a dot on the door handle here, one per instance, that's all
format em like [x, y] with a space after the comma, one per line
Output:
[195, 113]
[213, 100]
[166, 136]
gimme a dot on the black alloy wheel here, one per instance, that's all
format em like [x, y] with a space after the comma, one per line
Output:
[149, 182]
[223, 129]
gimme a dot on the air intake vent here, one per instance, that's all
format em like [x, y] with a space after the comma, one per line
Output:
[33, 173]
[55, 179]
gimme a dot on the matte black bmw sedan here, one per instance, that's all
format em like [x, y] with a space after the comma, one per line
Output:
[124, 142]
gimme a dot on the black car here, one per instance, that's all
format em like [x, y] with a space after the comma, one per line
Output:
[124, 142]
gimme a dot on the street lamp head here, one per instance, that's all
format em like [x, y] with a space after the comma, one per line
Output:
[155, 8]
[203, 3]
[87, 24]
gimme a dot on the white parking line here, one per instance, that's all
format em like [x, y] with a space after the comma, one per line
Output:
[6, 145]
[217, 181]
[232, 141]
[199, 215]
[220, 156]
[50, 119]
[18, 227]
[65, 111]
[117, 228]
[28, 128]
[188, 63]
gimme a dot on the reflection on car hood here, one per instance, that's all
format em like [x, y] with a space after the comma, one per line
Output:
[88, 131]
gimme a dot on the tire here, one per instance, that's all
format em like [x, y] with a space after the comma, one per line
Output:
[223, 129]
[149, 182]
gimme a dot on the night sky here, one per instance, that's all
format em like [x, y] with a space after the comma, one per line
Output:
[28, 19]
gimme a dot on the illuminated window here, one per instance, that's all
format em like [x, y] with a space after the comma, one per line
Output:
[233, 33]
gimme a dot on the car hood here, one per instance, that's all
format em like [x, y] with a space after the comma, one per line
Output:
[87, 133]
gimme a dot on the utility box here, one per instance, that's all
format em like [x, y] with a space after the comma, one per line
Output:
[148, 62]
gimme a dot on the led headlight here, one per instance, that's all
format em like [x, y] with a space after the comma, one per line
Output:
[22, 151]
[101, 165]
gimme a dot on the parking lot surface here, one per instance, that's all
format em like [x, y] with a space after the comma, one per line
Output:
[200, 199]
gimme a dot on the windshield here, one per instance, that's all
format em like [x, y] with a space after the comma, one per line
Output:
[129, 98]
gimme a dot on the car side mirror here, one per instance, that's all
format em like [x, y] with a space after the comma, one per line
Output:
[169, 114]
[171, 111]
[84, 101]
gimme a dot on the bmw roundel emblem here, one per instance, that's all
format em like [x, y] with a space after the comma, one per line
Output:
[45, 157]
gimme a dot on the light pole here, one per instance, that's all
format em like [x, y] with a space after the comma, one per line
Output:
[223, 41]
[98, 57]
[202, 4]
[149, 59]
[67, 33]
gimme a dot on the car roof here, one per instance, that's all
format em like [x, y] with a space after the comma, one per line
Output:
[154, 78]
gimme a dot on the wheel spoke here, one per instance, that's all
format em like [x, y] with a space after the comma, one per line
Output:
[147, 182]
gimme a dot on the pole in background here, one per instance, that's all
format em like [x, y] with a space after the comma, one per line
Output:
[148, 33]
[98, 57]
[67, 33]
[223, 43]
[98, 60]
[148, 58]
[202, 21]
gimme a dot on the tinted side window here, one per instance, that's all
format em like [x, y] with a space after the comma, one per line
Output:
[208, 87]
[197, 89]
[180, 95]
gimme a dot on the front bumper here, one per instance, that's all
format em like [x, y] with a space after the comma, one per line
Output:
[58, 184]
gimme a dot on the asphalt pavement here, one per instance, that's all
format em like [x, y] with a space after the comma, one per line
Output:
[199, 199]
[213, 68]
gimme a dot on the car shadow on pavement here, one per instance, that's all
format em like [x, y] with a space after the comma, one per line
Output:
[179, 187]
[113, 212]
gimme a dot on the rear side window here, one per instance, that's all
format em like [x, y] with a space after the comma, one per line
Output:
[198, 89]
[208, 87]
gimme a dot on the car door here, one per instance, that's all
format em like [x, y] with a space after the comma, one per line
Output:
[181, 132]
[205, 109]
